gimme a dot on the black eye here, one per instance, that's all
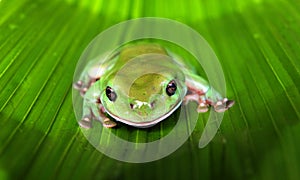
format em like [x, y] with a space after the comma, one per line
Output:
[112, 96]
[171, 88]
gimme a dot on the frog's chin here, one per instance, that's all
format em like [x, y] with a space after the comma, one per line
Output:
[145, 124]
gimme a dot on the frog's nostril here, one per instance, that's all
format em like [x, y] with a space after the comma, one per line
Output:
[152, 104]
[131, 106]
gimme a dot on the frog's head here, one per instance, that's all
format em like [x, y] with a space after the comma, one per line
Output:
[144, 92]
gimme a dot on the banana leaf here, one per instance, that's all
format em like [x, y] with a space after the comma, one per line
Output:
[257, 43]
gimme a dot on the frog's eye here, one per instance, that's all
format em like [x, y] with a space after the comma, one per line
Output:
[171, 88]
[110, 93]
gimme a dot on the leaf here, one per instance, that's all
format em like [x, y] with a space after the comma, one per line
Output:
[257, 43]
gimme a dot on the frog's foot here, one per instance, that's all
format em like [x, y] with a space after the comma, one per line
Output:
[202, 104]
[93, 75]
[78, 85]
[223, 105]
[202, 107]
[85, 122]
[108, 123]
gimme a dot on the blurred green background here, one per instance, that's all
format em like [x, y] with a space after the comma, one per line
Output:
[256, 41]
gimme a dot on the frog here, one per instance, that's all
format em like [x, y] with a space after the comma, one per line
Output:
[140, 85]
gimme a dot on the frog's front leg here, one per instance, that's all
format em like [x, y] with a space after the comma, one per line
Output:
[198, 96]
[93, 109]
[90, 75]
[200, 91]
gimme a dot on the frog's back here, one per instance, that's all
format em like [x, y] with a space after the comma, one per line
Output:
[160, 64]
[132, 51]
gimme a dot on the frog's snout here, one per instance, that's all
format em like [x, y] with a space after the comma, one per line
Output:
[142, 108]
[139, 104]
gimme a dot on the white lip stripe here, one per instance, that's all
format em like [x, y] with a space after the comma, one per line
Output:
[145, 124]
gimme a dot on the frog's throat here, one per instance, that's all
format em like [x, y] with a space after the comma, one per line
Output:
[145, 124]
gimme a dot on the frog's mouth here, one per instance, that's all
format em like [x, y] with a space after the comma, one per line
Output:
[145, 124]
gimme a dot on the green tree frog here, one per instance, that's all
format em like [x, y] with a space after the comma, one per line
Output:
[141, 85]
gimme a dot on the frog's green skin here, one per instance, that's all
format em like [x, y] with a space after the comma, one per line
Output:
[139, 75]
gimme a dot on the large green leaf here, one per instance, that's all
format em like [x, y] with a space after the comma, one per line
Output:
[258, 45]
